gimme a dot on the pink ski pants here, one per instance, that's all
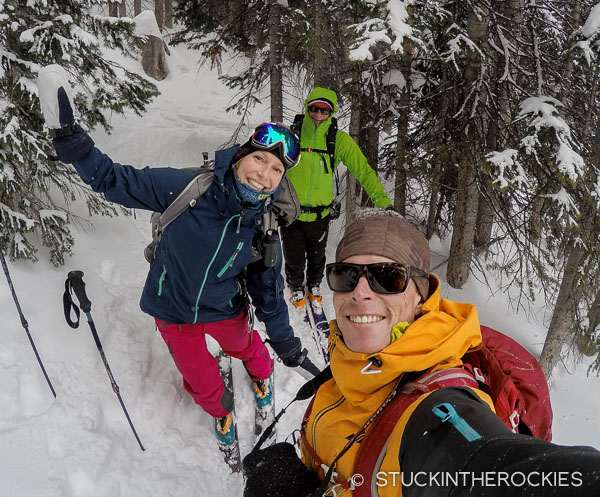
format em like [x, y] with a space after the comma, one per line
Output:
[200, 370]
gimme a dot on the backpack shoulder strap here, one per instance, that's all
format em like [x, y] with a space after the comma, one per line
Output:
[187, 198]
[331, 135]
[373, 447]
[287, 206]
[296, 126]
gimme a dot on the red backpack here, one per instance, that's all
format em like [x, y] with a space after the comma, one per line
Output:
[502, 368]
[516, 383]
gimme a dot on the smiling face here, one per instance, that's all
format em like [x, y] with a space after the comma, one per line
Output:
[318, 114]
[366, 318]
[261, 170]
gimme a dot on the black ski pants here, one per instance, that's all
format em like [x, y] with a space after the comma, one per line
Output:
[304, 244]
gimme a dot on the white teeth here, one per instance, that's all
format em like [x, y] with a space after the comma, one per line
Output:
[365, 319]
[256, 185]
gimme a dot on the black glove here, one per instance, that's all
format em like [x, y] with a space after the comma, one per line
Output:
[289, 350]
[277, 470]
[293, 356]
[304, 366]
[70, 141]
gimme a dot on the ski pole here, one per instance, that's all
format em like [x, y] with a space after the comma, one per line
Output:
[75, 283]
[24, 321]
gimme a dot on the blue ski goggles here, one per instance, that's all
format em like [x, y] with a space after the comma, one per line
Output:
[268, 136]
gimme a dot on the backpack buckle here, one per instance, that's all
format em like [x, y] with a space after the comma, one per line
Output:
[479, 375]
[334, 474]
[514, 421]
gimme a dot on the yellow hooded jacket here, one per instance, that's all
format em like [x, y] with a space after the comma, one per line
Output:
[438, 339]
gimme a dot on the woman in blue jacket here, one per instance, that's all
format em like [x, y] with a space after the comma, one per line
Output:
[202, 272]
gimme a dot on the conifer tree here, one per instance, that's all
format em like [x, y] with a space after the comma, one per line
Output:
[35, 188]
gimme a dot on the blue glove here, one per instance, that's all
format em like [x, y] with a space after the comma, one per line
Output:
[70, 141]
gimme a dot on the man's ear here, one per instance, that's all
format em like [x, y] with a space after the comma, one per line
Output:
[419, 308]
[418, 300]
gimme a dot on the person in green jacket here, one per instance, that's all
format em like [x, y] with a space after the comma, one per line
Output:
[305, 240]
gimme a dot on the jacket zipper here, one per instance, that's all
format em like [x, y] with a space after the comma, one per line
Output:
[211, 263]
[322, 413]
[231, 259]
[161, 279]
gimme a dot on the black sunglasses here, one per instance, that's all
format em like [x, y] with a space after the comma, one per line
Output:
[323, 111]
[383, 277]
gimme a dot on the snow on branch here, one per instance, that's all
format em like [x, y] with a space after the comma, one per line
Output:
[454, 47]
[547, 145]
[544, 115]
[391, 30]
[505, 162]
[16, 220]
[591, 27]
[591, 33]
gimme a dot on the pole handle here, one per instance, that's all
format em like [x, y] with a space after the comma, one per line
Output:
[75, 279]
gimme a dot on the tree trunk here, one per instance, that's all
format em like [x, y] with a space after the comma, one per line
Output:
[113, 9]
[323, 68]
[564, 312]
[569, 294]
[464, 222]
[484, 223]
[351, 183]
[168, 13]
[433, 200]
[137, 7]
[485, 211]
[159, 12]
[402, 153]
[567, 73]
[465, 213]
[505, 72]
[439, 159]
[534, 223]
[368, 138]
[276, 79]
[122, 9]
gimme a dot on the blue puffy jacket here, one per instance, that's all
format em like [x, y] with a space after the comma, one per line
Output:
[198, 272]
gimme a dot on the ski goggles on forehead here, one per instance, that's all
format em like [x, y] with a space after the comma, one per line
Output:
[268, 136]
[383, 277]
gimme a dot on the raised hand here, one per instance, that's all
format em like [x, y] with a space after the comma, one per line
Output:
[70, 141]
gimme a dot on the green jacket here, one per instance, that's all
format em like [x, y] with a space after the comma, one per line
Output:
[313, 185]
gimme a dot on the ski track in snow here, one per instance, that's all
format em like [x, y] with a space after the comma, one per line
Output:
[80, 445]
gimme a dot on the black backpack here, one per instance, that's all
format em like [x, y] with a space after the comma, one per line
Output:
[284, 212]
[296, 127]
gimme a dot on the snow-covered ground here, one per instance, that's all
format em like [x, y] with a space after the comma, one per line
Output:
[79, 444]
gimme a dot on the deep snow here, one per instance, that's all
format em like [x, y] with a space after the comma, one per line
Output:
[80, 444]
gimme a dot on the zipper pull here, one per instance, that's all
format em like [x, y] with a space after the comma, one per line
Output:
[239, 223]
[448, 414]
